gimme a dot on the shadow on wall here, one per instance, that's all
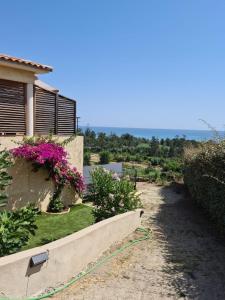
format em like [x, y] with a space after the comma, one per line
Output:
[34, 186]
[194, 255]
[29, 186]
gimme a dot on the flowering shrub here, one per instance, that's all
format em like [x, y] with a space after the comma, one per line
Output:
[53, 157]
[64, 174]
[42, 154]
[111, 195]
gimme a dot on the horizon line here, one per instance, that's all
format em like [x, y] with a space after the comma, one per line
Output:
[117, 127]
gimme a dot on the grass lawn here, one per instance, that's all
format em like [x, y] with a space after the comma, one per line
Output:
[53, 227]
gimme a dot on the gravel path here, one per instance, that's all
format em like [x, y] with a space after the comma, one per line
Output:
[182, 260]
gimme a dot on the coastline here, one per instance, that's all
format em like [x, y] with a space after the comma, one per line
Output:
[148, 133]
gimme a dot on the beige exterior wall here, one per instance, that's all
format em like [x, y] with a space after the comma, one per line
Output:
[67, 257]
[13, 74]
[35, 187]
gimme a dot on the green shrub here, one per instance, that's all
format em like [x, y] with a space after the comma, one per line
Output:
[138, 158]
[5, 178]
[154, 175]
[148, 170]
[128, 158]
[205, 178]
[172, 165]
[155, 161]
[118, 157]
[111, 195]
[15, 229]
[87, 158]
[56, 205]
[104, 157]
[169, 176]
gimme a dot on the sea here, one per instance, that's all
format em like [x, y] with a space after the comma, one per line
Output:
[148, 133]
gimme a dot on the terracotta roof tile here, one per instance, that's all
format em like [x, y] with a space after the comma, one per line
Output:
[4, 57]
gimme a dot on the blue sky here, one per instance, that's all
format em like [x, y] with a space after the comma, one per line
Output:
[143, 63]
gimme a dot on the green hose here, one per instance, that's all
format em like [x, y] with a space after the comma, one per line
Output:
[98, 264]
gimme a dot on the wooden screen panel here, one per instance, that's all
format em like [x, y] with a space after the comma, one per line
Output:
[45, 111]
[12, 107]
[66, 118]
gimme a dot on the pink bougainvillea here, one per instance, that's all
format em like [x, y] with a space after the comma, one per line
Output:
[41, 153]
[54, 158]
[64, 174]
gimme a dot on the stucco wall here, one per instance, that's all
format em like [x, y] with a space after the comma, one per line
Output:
[67, 257]
[16, 75]
[35, 187]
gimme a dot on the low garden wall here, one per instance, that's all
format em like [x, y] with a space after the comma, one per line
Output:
[28, 186]
[67, 257]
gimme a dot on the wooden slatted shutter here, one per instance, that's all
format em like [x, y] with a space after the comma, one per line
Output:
[54, 113]
[45, 111]
[12, 107]
[66, 118]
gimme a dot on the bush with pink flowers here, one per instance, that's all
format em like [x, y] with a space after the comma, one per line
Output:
[53, 157]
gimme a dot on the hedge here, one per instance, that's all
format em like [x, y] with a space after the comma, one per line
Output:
[204, 175]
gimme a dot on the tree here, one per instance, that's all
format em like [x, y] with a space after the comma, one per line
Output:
[104, 157]
[87, 158]
[89, 138]
[154, 146]
[102, 139]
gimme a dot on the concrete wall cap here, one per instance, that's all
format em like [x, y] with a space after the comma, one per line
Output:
[65, 240]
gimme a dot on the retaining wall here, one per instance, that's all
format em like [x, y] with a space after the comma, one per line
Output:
[67, 257]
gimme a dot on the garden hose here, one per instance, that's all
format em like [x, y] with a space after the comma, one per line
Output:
[146, 236]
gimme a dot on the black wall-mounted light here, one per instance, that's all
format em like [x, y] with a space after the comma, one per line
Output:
[38, 259]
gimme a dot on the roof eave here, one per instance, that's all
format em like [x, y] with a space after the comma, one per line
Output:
[20, 66]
